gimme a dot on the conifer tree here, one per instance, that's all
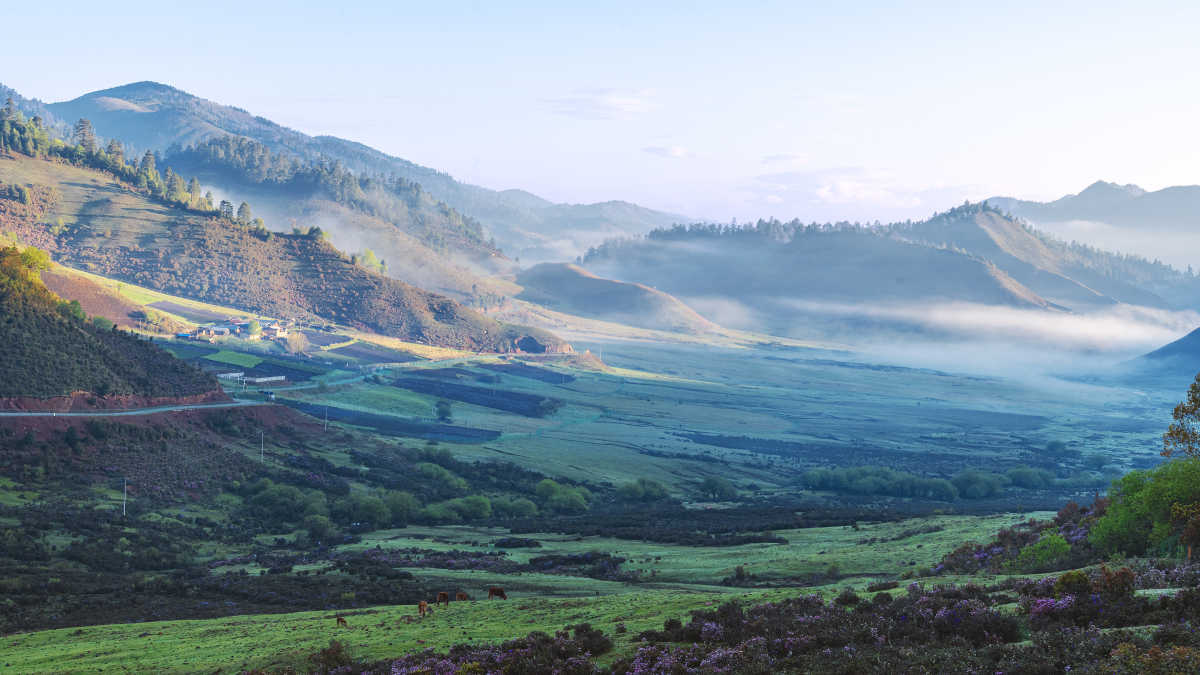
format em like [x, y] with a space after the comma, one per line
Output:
[194, 189]
[85, 135]
[243, 214]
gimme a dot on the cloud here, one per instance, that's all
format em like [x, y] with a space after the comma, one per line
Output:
[850, 185]
[773, 199]
[824, 137]
[834, 103]
[605, 103]
[795, 157]
[677, 152]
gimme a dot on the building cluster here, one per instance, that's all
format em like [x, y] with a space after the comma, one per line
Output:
[240, 327]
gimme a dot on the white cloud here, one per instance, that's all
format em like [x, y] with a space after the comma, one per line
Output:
[677, 152]
[824, 137]
[605, 103]
[773, 199]
[851, 185]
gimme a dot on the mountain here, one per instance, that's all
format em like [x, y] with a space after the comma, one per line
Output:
[1047, 267]
[1118, 205]
[90, 220]
[152, 116]
[52, 352]
[570, 289]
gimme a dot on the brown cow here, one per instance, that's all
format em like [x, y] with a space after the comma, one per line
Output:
[460, 597]
[422, 607]
[496, 592]
[342, 622]
[443, 597]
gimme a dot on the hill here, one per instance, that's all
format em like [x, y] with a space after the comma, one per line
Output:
[573, 290]
[52, 351]
[748, 280]
[114, 230]
[1072, 275]
[1120, 205]
[152, 116]
[96, 300]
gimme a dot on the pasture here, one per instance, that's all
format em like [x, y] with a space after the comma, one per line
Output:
[537, 602]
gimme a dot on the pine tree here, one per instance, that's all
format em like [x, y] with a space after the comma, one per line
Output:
[194, 188]
[226, 209]
[85, 135]
[147, 165]
[116, 152]
[243, 214]
[10, 109]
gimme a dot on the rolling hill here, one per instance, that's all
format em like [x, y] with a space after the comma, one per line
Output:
[115, 231]
[152, 116]
[570, 289]
[96, 300]
[1121, 205]
[51, 352]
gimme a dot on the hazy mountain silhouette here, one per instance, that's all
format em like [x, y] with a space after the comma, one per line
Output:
[149, 115]
[1118, 205]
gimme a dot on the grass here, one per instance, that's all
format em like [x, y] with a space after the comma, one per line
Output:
[537, 602]
[146, 296]
[234, 358]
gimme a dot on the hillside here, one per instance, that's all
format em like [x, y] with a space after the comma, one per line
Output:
[570, 289]
[117, 232]
[1053, 273]
[1120, 205]
[96, 300]
[750, 282]
[52, 352]
[152, 116]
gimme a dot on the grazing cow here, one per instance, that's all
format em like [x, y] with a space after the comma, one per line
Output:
[422, 608]
[496, 592]
[461, 596]
[342, 622]
[443, 597]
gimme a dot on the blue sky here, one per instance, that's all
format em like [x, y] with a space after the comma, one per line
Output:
[822, 111]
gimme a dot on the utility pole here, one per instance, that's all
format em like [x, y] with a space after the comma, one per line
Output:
[262, 446]
[124, 496]
[326, 418]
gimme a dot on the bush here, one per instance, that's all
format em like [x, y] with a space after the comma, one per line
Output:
[716, 487]
[642, 490]
[1033, 479]
[1049, 548]
[973, 484]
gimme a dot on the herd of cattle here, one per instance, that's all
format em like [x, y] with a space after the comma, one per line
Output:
[443, 597]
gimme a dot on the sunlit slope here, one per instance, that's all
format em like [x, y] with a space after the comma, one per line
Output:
[571, 289]
[112, 231]
[97, 300]
[1027, 259]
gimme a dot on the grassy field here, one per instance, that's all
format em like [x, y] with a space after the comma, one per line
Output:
[536, 601]
[234, 358]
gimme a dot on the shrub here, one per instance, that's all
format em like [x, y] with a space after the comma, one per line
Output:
[978, 484]
[1044, 551]
[716, 487]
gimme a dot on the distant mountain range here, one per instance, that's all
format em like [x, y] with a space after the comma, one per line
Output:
[1119, 205]
[152, 116]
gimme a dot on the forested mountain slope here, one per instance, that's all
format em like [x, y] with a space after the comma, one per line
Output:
[1074, 274]
[50, 350]
[148, 115]
[89, 219]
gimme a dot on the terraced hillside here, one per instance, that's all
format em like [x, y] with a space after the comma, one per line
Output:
[109, 229]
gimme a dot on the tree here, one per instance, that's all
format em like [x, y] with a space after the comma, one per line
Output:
[403, 505]
[373, 511]
[226, 210]
[296, 342]
[1182, 439]
[35, 259]
[10, 109]
[85, 135]
[147, 166]
[443, 409]
[116, 152]
[717, 487]
[642, 490]
[255, 327]
[319, 528]
[243, 214]
[194, 189]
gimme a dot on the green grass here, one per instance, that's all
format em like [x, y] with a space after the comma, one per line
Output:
[235, 358]
[684, 583]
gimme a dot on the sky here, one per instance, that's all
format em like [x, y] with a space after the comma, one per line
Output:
[819, 111]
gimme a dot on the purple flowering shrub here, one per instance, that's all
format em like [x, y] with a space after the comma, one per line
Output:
[1072, 524]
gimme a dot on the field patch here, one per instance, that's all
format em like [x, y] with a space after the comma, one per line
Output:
[529, 405]
[234, 359]
[190, 313]
[372, 354]
[522, 370]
